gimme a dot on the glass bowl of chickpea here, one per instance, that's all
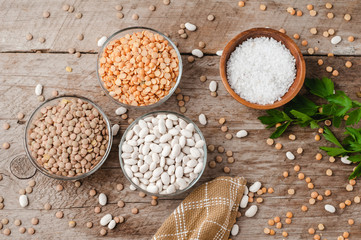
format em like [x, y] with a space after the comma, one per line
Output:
[139, 67]
[68, 137]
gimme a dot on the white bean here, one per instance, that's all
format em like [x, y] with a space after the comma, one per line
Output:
[103, 199]
[179, 172]
[251, 211]
[202, 119]
[23, 200]
[235, 230]
[213, 86]
[198, 53]
[38, 90]
[290, 155]
[120, 111]
[255, 187]
[112, 224]
[190, 27]
[115, 129]
[336, 39]
[198, 168]
[244, 201]
[345, 160]
[165, 178]
[105, 220]
[152, 188]
[241, 134]
[330, 208]
[101, 41]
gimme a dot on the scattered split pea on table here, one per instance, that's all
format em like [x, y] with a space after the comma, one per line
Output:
[64, 167]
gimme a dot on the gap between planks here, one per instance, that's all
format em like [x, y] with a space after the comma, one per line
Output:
[182, 53]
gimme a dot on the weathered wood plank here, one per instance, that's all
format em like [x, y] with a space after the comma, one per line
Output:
[254, 159]
[100, 18]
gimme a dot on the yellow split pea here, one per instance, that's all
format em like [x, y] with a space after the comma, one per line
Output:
[139, 69]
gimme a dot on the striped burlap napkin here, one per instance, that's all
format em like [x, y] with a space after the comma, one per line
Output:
[209, 212]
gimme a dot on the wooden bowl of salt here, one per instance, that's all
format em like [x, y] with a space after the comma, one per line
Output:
[261, 82]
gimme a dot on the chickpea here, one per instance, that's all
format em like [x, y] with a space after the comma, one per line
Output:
[292, 137]
[297, 168]
[348, 64]
[241, 3]
[270, 141]
[347, 17]
[313, 13]
[318, 156]
[278, 146]
[327, 193]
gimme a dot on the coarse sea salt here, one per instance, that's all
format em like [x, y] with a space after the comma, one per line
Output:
[261, 70]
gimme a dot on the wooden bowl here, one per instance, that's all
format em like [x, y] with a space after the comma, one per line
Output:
[271, 33]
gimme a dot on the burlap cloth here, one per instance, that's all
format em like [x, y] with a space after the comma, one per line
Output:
[209, 212]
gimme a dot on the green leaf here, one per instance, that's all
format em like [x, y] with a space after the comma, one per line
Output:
[301, 116]
[329, 109]
[336, 122]
[354, 117]
[302, 104]
[342, 100]
[330, 137]
[321, 88]
[313, 125]
[355, 146]
[280, 130]
[274, 117]
[331, 151]
[356, 104]
[304, 120]
[355, 158]
[354, 133]
[356, 173]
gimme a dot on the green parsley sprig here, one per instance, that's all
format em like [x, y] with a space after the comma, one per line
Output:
[335, 106]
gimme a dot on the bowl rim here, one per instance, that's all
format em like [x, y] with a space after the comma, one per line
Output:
[162, 100]
[185, 119]
[58, 177]
[283, 101]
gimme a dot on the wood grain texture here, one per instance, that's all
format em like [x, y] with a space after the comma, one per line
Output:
[100, 18]
[21, 70]
[255, 160]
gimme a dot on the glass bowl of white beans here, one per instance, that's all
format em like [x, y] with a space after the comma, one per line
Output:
[139, 67]
[68, 137]
[163, 153]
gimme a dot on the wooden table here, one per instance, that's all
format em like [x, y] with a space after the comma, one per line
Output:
[25, 63]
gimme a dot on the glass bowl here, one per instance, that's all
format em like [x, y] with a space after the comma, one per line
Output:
[54, 101]
[197, 130]
[130, 30]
